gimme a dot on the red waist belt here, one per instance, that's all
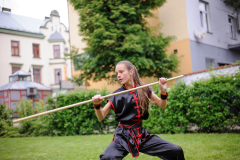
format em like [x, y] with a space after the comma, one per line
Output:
[134, 136]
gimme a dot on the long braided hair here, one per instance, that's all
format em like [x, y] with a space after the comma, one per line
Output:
[143, 99]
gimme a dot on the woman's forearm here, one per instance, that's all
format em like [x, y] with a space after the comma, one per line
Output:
[158, 101]
[102, 113]
[163, 102]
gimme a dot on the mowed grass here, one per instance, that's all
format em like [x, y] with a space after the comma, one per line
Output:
[195, 147]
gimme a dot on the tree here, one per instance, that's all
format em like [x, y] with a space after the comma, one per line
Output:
[234, 3]
[116, 30]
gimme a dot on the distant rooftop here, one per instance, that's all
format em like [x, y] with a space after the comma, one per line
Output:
[22, 85]
[21, 23]
[15, 22]
[21, 73]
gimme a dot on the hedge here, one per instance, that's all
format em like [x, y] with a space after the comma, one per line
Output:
[211, 105]
[77, 120]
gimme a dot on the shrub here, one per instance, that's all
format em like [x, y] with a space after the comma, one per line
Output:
[211, 104]
[172, 119]
[73, 121]
[6, 125]
[24, 109]
[31, 127]
[40, 127]
[77, 120]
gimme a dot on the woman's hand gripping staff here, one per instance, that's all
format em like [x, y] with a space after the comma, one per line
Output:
[164, 94]
[101, 113]
[162, 101]
[163, 85]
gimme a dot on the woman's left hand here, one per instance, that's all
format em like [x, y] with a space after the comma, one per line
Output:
[163, 85]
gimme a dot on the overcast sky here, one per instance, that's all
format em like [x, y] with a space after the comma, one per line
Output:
[38, 8]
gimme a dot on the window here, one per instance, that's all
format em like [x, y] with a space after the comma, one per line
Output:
[15, 69]
[56, 50]
[57, 76]
[36, 50]
[1, 97]
[204, 16]
[15, 48]
[37, 75]
[15, 95]
[232, 27]
[209, 63]
[5, 95]
[175, 51]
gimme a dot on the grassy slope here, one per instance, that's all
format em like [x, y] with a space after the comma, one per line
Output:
[195, 146]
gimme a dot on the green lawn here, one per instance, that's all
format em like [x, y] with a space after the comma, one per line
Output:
[195, 147]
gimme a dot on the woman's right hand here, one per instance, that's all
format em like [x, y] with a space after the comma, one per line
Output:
[97, 99]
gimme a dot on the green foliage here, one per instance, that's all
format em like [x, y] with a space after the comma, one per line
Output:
[72, 121]
[234, 3]
[24, 108]
[39, 126]
[31, 127]
[213, 105]
[116, 30]
[6, 125]
[77, 120]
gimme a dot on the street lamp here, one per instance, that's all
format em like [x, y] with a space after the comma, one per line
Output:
[30, 72]
[59, 79]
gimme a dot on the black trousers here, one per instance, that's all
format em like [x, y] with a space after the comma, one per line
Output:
[154, 146]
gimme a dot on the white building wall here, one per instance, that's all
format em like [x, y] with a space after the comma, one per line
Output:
[25, 55]
[219, 36]
[46, 62]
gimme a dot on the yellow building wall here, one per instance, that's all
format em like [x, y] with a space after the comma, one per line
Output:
[183, 52]
[74, 36]
[173, 18]
[154, 21]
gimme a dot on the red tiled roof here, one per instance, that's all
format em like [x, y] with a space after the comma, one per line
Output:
[221, 67]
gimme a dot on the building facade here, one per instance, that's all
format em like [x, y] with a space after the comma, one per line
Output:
[218, 46]
[221, 44]
[36, 46]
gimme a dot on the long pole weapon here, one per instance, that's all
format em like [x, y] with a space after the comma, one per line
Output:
[84, 102]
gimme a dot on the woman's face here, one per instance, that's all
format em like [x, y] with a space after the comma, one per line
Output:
[123, 74]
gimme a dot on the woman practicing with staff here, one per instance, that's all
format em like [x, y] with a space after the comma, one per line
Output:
[130, 109]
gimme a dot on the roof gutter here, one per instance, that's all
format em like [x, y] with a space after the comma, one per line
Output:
[22, 33]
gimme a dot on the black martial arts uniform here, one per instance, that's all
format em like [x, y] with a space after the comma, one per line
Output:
[131, 137]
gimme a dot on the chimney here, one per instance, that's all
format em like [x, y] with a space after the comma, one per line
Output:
[6, 9]
[47, 17]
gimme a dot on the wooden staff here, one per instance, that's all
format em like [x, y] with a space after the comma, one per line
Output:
[80, 103]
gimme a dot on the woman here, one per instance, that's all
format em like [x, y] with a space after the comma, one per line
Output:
[130, 109]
